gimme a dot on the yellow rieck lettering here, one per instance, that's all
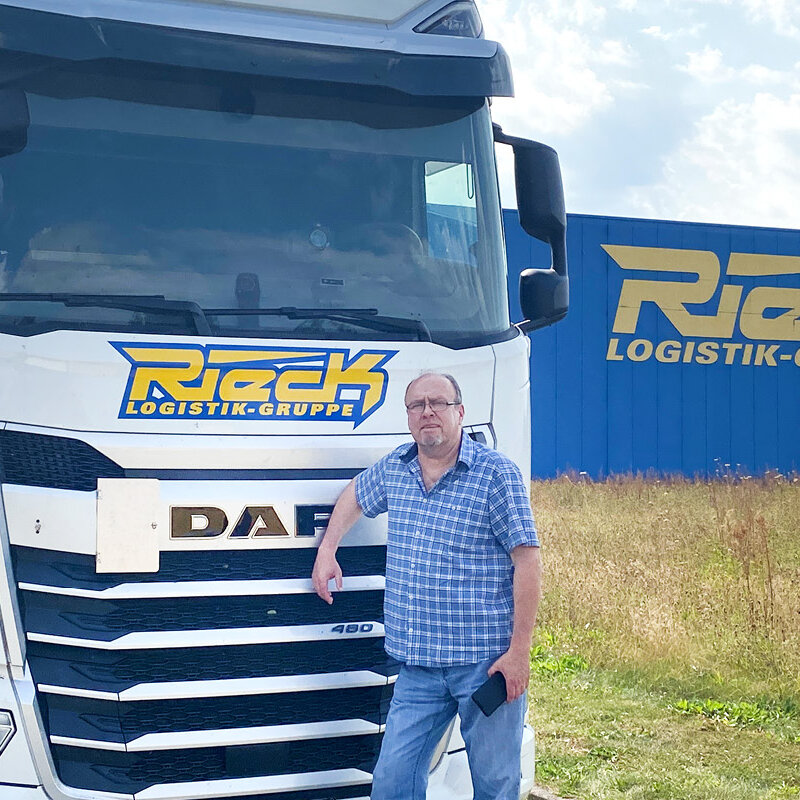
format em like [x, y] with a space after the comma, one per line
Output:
[232, 382]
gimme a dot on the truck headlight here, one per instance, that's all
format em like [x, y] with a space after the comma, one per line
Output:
[7, 729]
[458, 19]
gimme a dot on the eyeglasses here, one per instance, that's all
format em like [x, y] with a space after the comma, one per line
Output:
[418, 406]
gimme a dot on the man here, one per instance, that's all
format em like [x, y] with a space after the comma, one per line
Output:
[462, 592]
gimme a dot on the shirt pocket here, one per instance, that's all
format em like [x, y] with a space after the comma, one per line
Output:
[463, 523]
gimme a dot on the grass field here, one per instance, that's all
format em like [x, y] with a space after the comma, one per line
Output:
[667, 658]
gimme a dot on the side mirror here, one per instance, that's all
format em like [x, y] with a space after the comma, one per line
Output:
[543, 293]
[14, 121]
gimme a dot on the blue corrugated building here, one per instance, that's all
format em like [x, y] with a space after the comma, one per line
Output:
[680, 353]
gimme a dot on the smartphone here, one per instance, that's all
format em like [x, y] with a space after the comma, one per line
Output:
[491, 694]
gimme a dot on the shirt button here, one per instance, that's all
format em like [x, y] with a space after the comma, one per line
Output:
[411, 630]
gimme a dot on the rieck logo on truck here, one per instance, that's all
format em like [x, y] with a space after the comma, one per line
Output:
[188, 381]
[770, 314]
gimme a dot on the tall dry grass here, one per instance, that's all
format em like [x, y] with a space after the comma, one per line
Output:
[678, 574]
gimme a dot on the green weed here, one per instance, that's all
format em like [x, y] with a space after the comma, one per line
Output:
[742, 714]
[543, 662]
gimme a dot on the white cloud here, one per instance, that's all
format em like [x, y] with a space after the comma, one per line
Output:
[558, 54]
[556, 61]
[611, 51]
[741, 165]
[706, 66]
[759, 75]
[784, 14]
[657, 32]
[684, 109]
[580, 12]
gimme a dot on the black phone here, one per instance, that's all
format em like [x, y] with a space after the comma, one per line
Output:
[491, 694]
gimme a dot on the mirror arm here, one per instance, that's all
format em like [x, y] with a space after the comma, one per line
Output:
[558, 248]
[500, 137]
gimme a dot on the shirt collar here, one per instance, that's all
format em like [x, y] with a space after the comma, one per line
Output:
[466, 452]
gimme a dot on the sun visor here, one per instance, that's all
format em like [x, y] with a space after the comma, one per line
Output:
[47, 36]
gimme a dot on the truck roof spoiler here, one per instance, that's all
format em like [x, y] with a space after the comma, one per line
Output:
[47, 36]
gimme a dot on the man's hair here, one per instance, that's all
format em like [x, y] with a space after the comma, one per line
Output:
[453, 382]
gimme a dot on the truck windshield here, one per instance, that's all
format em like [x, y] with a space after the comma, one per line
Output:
[275, 195]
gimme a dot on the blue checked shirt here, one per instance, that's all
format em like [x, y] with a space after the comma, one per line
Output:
[449, 574]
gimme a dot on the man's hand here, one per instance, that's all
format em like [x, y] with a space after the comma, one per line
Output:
[326, 568]
[515, 664]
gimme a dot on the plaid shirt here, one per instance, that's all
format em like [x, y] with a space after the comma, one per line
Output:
[449, 574]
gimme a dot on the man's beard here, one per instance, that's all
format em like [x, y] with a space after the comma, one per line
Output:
[429, 439]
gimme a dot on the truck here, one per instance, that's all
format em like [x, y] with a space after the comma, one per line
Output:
[231, 231]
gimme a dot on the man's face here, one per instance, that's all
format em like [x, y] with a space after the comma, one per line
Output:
[433, 428]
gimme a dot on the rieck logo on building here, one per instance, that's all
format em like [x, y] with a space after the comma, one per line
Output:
[189, 381]
[767, 316]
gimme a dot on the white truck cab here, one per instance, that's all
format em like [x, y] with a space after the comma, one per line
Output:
[231, 231]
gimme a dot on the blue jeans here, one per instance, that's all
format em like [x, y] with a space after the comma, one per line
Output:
[425, 700]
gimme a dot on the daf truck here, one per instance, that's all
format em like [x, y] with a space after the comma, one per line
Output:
[231, 231]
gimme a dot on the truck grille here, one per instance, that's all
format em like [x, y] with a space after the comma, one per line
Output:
[52, 461]
[112, 772]
[148, 680]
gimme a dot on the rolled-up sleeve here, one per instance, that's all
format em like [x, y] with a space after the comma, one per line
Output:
[371, 489]
[510, 511]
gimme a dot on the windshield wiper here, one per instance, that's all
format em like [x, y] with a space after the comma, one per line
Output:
[156, 303]
[365, 317]
[141, 303]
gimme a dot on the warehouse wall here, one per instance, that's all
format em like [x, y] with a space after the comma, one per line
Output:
[676, 356]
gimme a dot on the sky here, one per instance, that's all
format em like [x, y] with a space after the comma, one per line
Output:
[666, 109]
